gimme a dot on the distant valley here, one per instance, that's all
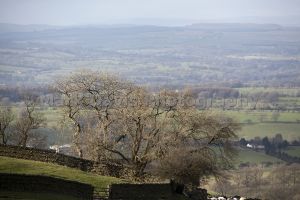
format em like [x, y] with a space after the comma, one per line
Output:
[200, 54]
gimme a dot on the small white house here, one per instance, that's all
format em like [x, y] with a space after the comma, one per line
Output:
[258, 147]
[64, 149]
[54, 147]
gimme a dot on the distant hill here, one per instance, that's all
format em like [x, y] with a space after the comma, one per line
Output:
[235, 27]
[4, 27]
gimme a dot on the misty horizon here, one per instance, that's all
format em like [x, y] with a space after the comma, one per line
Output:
[169, 13]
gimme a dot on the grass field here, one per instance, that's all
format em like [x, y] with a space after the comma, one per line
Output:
[293, 151]
[289, 131]
[19, 166]
[248, 155]
[284, 90]
[261, 116]
[287, 124]
[53, 116]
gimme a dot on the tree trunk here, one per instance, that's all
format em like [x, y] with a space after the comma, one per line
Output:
[3, 138]
[24, 140]
[76, 139]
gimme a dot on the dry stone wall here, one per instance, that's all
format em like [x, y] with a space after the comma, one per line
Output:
[45, 156]
[105, 169]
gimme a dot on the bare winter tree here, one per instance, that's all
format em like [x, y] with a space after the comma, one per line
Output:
[72, 107]
[87, 94]
[28, 120]
[131, 124]
[144, 127]
[6, 118]
[203, 147]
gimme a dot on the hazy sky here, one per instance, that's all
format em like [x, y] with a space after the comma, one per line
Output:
[79, 12]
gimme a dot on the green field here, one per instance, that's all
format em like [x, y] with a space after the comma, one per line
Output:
[248, 155]
[289, 131]
[293, 151]
[283, 90]
[53, 116]
[287, 124]
[263, 116]
[19, 166]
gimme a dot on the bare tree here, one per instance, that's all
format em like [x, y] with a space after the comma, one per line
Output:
[256, 98]
[91, 94]
[71, 108]
[6, 118]
[131, 124]
[28, 120]
[205, 147]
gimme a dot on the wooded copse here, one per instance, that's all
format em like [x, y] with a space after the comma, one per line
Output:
[114, 119]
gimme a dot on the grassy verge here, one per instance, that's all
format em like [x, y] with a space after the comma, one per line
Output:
[19, 166]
